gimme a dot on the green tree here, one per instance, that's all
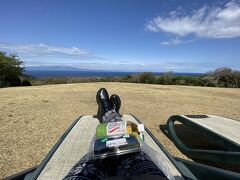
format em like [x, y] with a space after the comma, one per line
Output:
[226, 77]
[146, 77]
[10, 69]
[168, 77]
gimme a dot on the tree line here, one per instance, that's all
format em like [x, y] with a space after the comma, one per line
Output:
[221, 77]
[12, 74]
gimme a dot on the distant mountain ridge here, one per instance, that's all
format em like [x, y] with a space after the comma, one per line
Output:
[52, 68]
[89, 73]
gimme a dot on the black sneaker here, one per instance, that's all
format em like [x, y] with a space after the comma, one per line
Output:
[115, 102]
[104, 105]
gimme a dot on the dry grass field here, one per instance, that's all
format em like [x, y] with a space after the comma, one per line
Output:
[33, 118]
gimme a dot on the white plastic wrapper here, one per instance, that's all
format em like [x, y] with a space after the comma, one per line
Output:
[116, 128]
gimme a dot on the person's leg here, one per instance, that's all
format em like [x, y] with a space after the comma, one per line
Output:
[108, 109]
[111, 116]
[103, 102]
[87, 170]
[115, 102]
[138, 165]
[134, 164]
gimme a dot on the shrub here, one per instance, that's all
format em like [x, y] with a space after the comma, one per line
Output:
[26, 83]
[11, 81]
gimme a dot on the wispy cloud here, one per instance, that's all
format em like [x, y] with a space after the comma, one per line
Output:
[176, 41]
[42, 49]
[73, 57]
[171, 42]
[206, 22]
[137, 67]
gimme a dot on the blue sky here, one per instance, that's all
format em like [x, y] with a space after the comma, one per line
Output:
[125, 35]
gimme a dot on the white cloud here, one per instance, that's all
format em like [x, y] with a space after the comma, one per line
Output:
[138, 67]
[43, 49]
[154, 67]
[46, 55]
[206, 22]
[176, 41]
[172, 42]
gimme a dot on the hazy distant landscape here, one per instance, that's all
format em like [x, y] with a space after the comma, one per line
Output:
[33, 118]
[87, 73]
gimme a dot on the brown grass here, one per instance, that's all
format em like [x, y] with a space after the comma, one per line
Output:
[33, 118]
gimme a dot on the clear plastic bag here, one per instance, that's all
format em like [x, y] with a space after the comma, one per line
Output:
[104, 147]
[101, 148]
